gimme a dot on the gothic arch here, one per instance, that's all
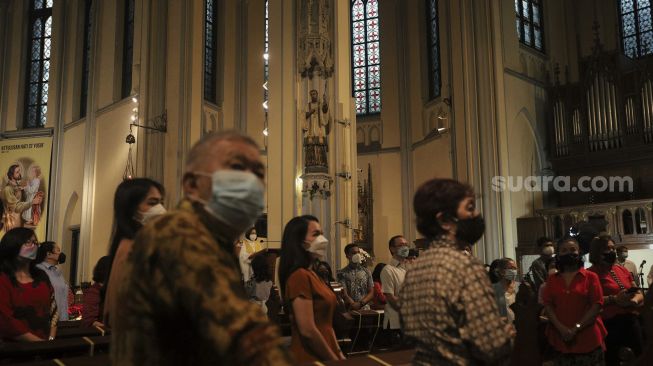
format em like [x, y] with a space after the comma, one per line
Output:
[525, 115]
[360, 136]
[375, 135]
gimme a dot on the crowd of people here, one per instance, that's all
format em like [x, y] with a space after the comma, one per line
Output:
[190, 286]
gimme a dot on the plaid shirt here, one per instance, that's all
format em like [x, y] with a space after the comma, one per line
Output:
[448, 306]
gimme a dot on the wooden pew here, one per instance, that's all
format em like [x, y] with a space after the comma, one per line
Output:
[68, 324]
[82, 332]
[397, 358]
[99, 360]
[365, 328]
[58, 348]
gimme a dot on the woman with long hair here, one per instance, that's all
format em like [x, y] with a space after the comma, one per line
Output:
[572, 299]
[136, 202]
[28, 310]
[621, 298]
[310, 302]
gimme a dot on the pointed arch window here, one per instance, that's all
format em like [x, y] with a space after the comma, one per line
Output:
[210, 50]
[529, 23]
[38, 70]
[128, 49]
[636, 27]
[366, 56]
[432, 23]
[86, 54]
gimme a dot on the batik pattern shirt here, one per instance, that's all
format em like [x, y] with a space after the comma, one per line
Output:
[357, 280]
[183, 302]
[448, 307]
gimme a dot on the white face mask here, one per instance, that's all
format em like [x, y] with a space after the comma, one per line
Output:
[357, 258]
[252, 237]
[319, 246]
[153, 212]
[548, 250]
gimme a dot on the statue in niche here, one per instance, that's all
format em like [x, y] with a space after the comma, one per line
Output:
[316, 128]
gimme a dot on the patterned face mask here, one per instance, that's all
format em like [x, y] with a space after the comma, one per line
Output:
[28, 250]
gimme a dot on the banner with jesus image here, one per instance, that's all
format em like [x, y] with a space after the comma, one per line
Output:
[25, 169]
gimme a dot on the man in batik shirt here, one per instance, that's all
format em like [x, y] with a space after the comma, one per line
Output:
[356, 279]
[183, 302]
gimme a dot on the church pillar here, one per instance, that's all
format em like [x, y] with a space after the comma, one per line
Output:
[152, 84]
[311, 149]
[475, 127]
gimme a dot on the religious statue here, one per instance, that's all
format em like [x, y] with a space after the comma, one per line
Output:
[316, 128]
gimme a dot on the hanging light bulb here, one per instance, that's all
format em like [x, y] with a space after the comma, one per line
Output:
[265, 132]
[134, 118]
[265, 105]
[134, 99]
[266, 56]
[265, 85]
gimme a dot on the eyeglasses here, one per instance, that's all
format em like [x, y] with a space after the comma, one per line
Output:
[32, 241]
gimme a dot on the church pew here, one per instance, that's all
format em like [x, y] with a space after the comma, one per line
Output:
[397, 358]
[99, 360]
[68, 324]
[81, 332]
[29, 351]
[364, 329]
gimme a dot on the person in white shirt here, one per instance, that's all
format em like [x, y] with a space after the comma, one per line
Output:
[392, 278]
[48, 257]
[622, 260]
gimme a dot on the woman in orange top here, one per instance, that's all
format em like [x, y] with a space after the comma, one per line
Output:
[310, 302]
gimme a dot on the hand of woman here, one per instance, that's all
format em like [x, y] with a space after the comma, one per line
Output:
[624, 299]
[566, 333]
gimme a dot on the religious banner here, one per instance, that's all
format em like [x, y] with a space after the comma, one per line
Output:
[25, 169]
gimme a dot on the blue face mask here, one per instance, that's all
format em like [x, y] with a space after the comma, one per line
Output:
[237, 198]
[403, 252]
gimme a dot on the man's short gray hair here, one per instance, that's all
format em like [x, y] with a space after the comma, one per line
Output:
[202, 149]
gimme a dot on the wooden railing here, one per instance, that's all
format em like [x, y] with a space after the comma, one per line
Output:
[628, 222]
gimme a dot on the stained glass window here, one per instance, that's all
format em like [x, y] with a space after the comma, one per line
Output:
[529, 23]
[86, 54]
[636, 27]
[435, 82]
[128, 49]
[38, 70]
[210, 49]
[366, 56]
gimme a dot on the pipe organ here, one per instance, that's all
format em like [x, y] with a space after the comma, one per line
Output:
[610, 109]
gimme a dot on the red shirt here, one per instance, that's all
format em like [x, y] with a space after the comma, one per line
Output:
[569, 305]
[25, 309]
[610, 287]
[379, 297]
[92, 309]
